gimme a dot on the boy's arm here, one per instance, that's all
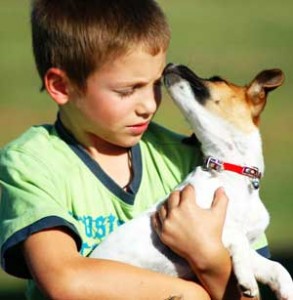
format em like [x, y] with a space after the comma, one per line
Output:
[195, 234]
[62, 273]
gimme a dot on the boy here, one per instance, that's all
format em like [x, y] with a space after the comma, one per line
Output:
[66, 186]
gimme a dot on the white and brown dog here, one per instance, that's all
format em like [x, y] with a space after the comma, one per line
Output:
[225, 118]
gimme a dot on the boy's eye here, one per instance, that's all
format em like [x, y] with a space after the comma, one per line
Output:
[126, 92]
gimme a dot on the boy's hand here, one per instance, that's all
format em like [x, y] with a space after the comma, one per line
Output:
[196, 234]
[190, 231]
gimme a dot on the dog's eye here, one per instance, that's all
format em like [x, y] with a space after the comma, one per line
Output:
[216, 79]
[217, 102]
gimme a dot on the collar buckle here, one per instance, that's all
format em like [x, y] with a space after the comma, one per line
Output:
[212, 163]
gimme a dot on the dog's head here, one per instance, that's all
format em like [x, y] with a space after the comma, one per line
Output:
[239, 105]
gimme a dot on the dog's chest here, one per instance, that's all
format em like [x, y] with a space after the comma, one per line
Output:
[245, 209]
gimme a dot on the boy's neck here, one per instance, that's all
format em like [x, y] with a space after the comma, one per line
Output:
[92, 143]
[114, 160]
[118, 167]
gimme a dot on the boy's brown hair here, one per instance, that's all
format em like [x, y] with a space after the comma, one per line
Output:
[79, 36]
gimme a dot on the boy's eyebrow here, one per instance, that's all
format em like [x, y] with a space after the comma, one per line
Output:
[136, 83]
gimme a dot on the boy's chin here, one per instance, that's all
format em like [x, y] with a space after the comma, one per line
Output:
[130, 142]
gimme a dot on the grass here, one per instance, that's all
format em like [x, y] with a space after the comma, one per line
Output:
[229, 38]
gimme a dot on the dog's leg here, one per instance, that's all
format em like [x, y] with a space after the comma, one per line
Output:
[239, 249]
[274, 275]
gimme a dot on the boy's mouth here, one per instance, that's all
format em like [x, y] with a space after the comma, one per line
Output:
[139, 128]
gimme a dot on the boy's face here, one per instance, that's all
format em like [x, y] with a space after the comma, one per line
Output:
[120, 100]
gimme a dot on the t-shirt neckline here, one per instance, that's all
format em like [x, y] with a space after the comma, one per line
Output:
[136, 161]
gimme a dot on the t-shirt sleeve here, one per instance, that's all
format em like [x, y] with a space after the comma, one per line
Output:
[30, 201]
[261, 246]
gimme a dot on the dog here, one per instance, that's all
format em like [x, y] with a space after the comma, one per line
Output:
[225, 118]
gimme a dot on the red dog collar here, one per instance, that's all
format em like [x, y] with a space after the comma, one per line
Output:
[211, 163]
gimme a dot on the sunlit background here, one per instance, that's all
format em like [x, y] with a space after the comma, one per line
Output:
[231, 38]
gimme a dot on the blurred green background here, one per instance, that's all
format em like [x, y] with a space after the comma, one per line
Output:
[231, 38]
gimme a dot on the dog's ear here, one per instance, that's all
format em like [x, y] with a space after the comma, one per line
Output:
[261, 85]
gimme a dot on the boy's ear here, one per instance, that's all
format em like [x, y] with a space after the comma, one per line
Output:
[57, 85]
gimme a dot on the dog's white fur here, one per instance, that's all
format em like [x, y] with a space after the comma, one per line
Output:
[136, 243]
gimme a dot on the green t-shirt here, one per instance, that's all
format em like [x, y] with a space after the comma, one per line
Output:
[47, 180]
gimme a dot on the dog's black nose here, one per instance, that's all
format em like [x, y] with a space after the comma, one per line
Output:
[168, 67]
[170, 74]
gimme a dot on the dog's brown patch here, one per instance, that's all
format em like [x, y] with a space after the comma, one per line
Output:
[230, 103]
[242, 105]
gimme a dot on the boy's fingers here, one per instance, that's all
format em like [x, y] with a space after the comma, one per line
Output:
[188, 192]
[173, 200]
[156, 222]
[162, 212]
[220, 201]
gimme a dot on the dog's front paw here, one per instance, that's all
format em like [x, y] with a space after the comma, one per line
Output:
[247, 284]
[285, 292]
[250, 292]
[285, 295]
[281, 282]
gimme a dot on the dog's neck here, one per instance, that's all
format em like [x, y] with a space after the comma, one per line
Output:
[231, 145]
